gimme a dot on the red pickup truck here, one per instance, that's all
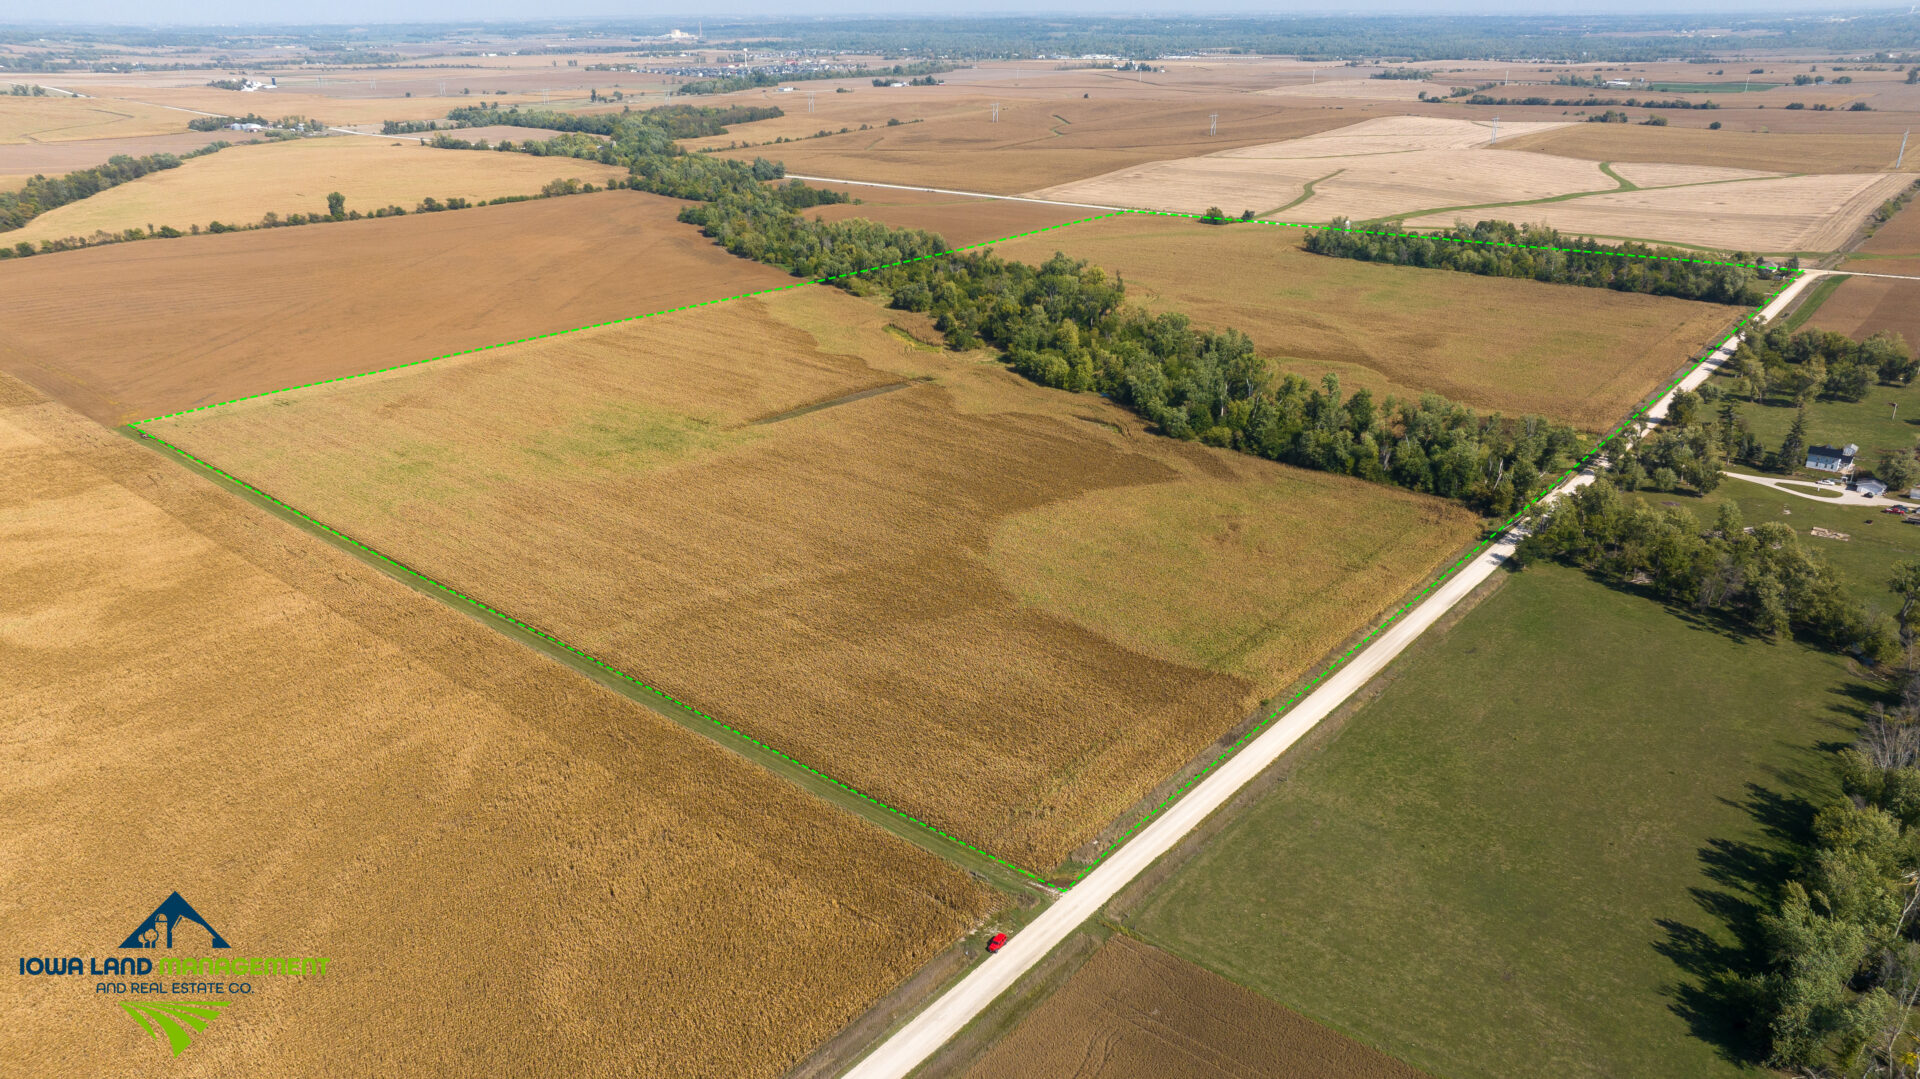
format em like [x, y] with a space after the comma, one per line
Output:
[998, 942]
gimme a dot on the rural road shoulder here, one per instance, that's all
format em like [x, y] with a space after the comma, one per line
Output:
[944, 1018]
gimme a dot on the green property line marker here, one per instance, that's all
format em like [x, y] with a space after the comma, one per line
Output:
[138, 427]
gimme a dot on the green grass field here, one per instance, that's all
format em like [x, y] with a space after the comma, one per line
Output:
[1520, 857]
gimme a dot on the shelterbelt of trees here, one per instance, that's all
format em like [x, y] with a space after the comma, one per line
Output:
[678, 121]
[1503, 249]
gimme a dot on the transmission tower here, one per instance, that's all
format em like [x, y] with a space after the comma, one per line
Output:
[1495, 137]
[809, 100]
[1903, 149]
[996, 113]
[1213, 123]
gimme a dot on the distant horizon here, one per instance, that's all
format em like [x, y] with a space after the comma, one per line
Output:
[239, 14]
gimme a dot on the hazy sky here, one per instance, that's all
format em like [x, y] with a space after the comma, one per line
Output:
[154, 12]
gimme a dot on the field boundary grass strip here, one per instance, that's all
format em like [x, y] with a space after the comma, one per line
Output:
[1491, 536]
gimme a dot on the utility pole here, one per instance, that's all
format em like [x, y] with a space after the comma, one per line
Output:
[1495, 137]
[809, 100]
[996, 113]
[1903, 149]
[1213, 123]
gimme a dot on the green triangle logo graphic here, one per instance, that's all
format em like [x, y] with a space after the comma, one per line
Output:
[180, 1022]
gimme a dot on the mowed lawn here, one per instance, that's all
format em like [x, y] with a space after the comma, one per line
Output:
[909, 568]
[1505, 864]
[1584, 356]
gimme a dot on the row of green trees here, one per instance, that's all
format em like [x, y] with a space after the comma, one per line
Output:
[1592, 102]
[1503, 249]
[1785, 367]
[40, 194]
[758, 79]
[678, 121]
[1760, 577]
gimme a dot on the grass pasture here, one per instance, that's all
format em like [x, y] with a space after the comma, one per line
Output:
[794, 577]
[399, 788]
[1135, 1012]
[248, 312]
[66, 119]
[1581, 355]
[1516, 859]
[240, 184]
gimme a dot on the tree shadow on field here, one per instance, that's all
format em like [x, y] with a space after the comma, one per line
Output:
[1722, 998]
[1719, 997]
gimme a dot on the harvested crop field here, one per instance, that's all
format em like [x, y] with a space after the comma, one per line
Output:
[1371, 169]
[1135, 1012]
[1868, 305]
[1771, 151]
[1894, 248]
[1044, 142]
[1784, 214]
[241, 184]
[1585, 356]
[199, 697]
[827, 582]
[62, 119]
[223, 316]
[959, 219]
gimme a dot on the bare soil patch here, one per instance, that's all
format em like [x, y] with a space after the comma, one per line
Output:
[960, 220]
[199, 697]
[1135, 1012]
[1894, 248]
[57, 158]
[1867, 305]
[828, 582]
[222, 316]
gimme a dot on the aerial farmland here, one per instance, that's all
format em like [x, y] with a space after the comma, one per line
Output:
[778, 547]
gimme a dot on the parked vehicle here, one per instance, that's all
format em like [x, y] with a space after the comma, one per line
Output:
[1828, 483]
[998, 942]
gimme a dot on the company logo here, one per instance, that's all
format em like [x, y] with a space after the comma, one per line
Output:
[157, 930]
[162, 1005]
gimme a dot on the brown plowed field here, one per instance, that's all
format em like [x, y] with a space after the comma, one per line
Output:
[1894, 248]
[1867, 305]
[1768, 151]
[134, 330]
[1581, 355]
[961, 220]
[1135, 1012]
[512, 869]
[1040, 143]
[56, 158]
[830, 582]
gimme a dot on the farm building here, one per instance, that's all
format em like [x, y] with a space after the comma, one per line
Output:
[1829, 459]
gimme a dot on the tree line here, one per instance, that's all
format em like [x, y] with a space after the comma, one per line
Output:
[679, 121]
[1503, 249]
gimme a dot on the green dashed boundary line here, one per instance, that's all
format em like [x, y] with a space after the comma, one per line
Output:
[1492, 536]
